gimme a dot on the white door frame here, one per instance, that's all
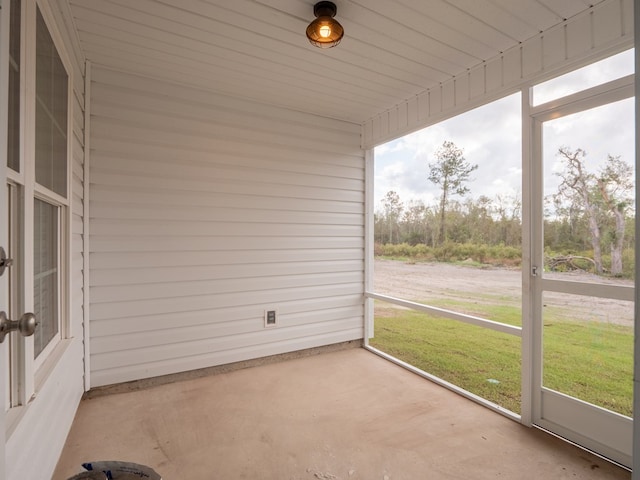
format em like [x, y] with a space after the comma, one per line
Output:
[605, 432]
[4, 213]
[636, 370]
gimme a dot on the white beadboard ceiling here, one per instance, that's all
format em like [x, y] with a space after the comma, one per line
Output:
[256, 49]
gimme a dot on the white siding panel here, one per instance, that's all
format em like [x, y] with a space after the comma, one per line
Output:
[219, 357]
[422, 114]
[493, 75]
[477, 82]
[193, 263]
[77, 212]
[448, 95]
[532, 53]
[462, 89]
[608, 24]
[579, 36]
[272, 157]
[553, 54]
[140, 87]
[223, 214]
[228, 186]
[435, 101]
[181, 306]
[233, 319]
[211, 288]
[117, 196]
[512, 66]
[205, 211]
[393, 118]
[145, 248]
[151, 228]
[160, 345]
[206, 272]
[602, 29]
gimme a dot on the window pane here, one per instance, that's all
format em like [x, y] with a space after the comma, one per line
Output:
[604, 71]
[448, 234]
[589, 188]
[13, 137]
[479, 360]
[51, 113]
[45, 274]
[454, 247]
[588, 349]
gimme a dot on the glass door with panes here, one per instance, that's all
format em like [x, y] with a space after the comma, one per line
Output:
[35, 188]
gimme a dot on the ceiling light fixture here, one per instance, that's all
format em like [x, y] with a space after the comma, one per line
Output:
[325, 31]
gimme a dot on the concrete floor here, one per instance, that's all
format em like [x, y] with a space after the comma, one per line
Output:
[342, 415]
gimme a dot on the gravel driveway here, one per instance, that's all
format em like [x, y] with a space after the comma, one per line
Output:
[433, 281]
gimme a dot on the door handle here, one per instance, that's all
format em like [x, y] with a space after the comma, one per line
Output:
[26, 325]
[4, 261]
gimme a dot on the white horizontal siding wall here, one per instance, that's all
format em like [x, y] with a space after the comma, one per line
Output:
[33, 447]
[207, 210]
[605, 28]
[76, 304]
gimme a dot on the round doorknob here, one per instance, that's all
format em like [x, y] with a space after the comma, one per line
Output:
[26, 325]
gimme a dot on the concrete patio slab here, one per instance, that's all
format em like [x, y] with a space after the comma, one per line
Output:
[342, 415]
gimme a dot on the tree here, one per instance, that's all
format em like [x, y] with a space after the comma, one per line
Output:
[603, 198]
[414, 222]
[615, 183]
[577, 187]
[507, 210]
[392, 209]
[451, 171]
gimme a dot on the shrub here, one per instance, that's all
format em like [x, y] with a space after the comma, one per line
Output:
[451, 252]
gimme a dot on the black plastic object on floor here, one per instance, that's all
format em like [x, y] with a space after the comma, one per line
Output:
[112, 470]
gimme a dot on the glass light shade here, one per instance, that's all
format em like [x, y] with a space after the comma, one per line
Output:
[325, 31]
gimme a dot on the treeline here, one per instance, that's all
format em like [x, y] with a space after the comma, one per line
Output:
[489, 231]
[589, 221]
[481, 221]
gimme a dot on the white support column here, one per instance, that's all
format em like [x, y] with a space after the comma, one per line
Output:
[368, 243]
[636, 343]
[85, 226]
[526, 351]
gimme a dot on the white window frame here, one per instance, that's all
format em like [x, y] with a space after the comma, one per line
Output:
[61, 261]
[29, 373]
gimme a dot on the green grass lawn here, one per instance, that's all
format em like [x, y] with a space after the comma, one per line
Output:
[590, 360]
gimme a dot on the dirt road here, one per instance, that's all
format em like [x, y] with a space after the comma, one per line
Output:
[426, 281]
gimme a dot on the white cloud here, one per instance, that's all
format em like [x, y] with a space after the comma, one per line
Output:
[490, 136]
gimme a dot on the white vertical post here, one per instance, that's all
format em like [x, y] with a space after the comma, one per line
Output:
[526, 350]
[536, 247]
[28, 156]
[85, 227]
[368, 243]
[636, 343]
[4, 212]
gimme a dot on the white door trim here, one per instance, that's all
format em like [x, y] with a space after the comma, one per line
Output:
[4, 213]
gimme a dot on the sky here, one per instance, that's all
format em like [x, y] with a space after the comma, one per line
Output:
[490, 136]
